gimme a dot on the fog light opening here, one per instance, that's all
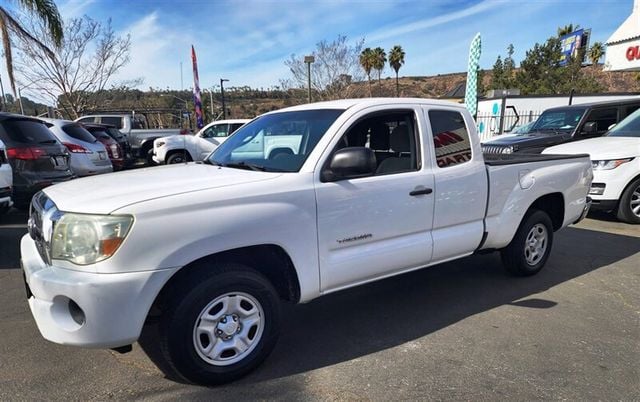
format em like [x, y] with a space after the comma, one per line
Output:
[76, 313]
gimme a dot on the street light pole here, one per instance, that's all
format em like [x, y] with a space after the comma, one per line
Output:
[309, 60]
[224, 110]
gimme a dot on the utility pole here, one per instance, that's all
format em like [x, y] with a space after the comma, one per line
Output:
[309, 60]
[211, 99]
[181, 82]
[4, 99]
[20, 100]
[224, 110]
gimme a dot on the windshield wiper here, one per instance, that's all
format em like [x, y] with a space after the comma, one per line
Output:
[246, 166]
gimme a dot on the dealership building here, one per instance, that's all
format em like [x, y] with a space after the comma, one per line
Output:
[623, 47]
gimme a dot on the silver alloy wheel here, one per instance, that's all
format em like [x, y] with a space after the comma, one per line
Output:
[228, 329]
[535, 244]
[635, 202]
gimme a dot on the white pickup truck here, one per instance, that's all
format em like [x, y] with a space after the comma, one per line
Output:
[188, 148]
[377, 187]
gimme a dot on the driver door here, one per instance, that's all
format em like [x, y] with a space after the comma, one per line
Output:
[374, 226]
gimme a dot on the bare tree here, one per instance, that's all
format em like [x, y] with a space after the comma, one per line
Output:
[77, 73]
[336, 66]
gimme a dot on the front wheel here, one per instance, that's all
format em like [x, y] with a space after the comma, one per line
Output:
[629, 207]
[178, 157]
[220, 325]
[530, 248]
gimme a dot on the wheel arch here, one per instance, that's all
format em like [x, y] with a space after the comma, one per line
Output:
[553, 205]
[270, 260]
[178, 151]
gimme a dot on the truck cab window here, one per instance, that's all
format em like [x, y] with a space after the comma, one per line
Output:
[450, 138]
[392, 138]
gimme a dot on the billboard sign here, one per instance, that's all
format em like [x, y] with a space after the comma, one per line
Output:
[570, 44]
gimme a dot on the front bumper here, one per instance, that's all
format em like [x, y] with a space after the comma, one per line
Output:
[88, 309]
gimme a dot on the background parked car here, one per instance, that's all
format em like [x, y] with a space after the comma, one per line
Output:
[88, 155]
[565, 124]
[183, 148]
[6, 180]
[37, 158]
[616, 168]
[116, 155]
[136, 129]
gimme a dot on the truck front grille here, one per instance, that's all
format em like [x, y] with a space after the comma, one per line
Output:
[492, 149]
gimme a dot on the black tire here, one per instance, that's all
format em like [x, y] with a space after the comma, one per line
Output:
[178, 157]
[191, 298]
[517, 257]
[630, 199]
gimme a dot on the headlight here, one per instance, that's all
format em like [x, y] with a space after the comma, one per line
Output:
[87, 239]
[507, 150]
[610, 164]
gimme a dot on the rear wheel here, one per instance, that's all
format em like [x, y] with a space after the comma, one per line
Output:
[220, 325]
[629, 206]
[530, 248]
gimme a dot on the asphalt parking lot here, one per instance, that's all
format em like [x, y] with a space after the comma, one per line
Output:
[461, 330]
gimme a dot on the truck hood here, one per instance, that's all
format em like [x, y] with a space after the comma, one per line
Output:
[602, 148]
[106, 193]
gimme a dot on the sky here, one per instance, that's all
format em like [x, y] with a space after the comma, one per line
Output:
[248, 41]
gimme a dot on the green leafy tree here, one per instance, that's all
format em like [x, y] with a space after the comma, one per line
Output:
[497, 74]
[367, 63]
[44, 10]
[379, 60]
[595, 53]
[541, 73]
[396, 60]
[567, 29]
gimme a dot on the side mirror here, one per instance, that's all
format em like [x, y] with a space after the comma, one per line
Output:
[611, 126]
[349, 163]
[590, 127]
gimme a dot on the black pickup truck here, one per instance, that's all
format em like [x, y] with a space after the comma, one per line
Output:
[564, 124]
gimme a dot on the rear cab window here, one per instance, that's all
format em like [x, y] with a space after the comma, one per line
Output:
[19, 131]
[112, 121]
[450, 138]
[78, 132]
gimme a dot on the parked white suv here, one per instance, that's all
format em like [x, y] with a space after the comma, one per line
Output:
[616, 168]
[6, 180]
[374, 188]
[185, 148]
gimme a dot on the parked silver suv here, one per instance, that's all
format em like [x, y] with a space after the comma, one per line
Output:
[88, 155]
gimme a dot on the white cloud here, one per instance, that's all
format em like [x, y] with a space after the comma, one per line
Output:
[74, 8]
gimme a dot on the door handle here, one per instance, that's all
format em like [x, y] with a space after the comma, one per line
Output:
[421, 191]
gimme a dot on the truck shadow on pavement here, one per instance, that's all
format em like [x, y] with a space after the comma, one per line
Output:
[381, 315]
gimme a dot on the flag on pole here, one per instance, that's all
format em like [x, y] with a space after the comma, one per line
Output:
[471, 94]
[197, 101]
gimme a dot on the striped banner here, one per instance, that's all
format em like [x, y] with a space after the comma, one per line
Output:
[197, 101]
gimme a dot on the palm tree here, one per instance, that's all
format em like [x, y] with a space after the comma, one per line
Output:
[379, 60]
[367, 62]
[44, 10]
[595, 53]
[396, 60]
[567, 29]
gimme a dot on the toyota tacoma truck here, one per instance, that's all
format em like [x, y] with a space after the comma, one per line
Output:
[210, 250]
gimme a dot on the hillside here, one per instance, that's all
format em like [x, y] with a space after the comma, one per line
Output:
[430, 87]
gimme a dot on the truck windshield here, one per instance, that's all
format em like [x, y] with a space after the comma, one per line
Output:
[559, 120]
[629, 127]
[278, 142]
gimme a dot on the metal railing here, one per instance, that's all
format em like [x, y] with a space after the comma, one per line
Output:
[489, 124]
